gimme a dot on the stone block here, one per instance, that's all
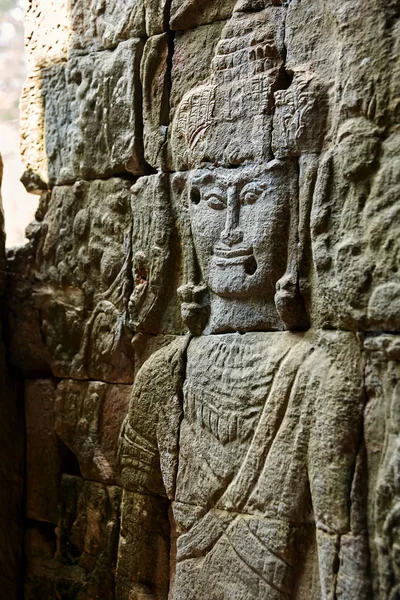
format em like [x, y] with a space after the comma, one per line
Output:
[355, 231]
[88, 418]
[83, 280]
[48, 32]
[154, 73]
[144, 548]
[88, 539]
[98, 25]
[43, 458]
[382, 440]
[92, 117]
[156, 257]
[190, 14]
[55, 30]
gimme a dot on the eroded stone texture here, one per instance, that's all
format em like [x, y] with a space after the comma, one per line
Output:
[288, 445]
[156, 260]
[144, 547]
[382, 436]
[80, 562]
[88, 418]
[258, 456]
[81, 273]
[189, 14]
[43, 454]
[91, 110]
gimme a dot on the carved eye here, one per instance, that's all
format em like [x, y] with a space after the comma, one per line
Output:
[215, 199]
[215, 202]
[250, 194]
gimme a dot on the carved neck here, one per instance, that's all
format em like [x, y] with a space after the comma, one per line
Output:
[232, 314]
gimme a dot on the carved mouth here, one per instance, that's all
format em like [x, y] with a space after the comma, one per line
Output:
[229, 253]
[236, 256]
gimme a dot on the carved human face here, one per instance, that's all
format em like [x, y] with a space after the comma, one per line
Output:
[240, 221]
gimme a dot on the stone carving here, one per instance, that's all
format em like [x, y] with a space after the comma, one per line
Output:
[383, 439]
[230, 168]
[83, 281]
[88, 417]
[236, 220]
[245, 71]
[92, 123]
[80, 561]
[98, 24]
[354, 228]
[154, 252]
[275, 441]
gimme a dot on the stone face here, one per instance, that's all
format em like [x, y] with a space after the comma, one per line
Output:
[88, 418]
[214, 274]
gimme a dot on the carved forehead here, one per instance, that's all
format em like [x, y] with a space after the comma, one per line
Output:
[269, 173]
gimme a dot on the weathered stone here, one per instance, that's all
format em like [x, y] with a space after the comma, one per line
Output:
[82, 280]
[155, 257]
[355, 230]
[88, 418]
[154, 72]
[234, 105]
[144, 547]
[43, 456]
[97, 25]
[91, 115]
[288, 446]
[88, 538]
[263, 136]
[191, 64]
[382, 433]
[186, 15]
[32, 126]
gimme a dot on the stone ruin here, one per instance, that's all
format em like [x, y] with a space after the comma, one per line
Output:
[201, 359]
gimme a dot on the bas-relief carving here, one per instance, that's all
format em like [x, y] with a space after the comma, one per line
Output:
[83, 280]
[242, 452]
[255, 438]
[355, 229]
[90, 110]
[382, 432]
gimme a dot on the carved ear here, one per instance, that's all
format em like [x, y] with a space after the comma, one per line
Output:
[289, 302]
[195, 307]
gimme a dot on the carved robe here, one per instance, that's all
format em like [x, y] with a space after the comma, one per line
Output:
[256, 446]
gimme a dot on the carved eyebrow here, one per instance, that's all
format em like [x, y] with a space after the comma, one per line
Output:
[201, 178]
[215, 191]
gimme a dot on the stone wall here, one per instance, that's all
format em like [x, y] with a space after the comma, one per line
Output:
[207, 313]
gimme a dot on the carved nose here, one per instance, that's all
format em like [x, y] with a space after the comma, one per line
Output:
[232, 236]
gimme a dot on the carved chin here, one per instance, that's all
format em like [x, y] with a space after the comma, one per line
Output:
[234, 278]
